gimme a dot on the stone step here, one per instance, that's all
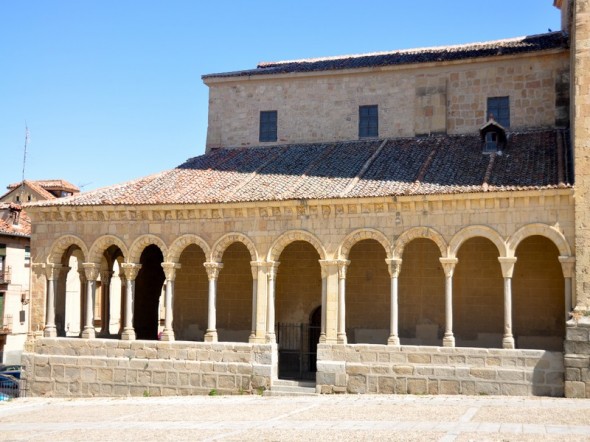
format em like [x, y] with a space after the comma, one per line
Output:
[283, 387]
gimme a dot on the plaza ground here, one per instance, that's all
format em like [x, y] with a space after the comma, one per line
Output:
[324, 418]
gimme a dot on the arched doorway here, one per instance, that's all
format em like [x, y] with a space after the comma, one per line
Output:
[298, 294]
[148, 286]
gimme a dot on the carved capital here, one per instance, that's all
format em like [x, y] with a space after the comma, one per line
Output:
[325, 264]
[448, 265]
[273, 268]
[105, 276]
[38, 268]
[170, 270]
[91, 269]
[131, 270]
[394, 265]
[342, 267]
[568, 266]
[507, 264]
[52, 271]
[255, 265]
[213, 269]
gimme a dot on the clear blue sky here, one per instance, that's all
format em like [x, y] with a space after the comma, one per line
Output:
[111, 90]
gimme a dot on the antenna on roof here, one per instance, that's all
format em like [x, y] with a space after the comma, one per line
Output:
[22, 184]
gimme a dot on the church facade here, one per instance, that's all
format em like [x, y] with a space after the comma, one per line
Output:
[401, 222]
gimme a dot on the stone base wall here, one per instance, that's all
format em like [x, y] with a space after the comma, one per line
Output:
[438, 370]
[75, 367]
[577, 359]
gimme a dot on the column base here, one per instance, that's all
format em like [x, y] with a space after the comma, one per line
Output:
[322, 338]
[449, 341]
[271, 338]
[128, 334]
[89, 333]
[167, 335]
[508, 342]
[211, 336]
[393, 340]
[50, 332]
[342, 339]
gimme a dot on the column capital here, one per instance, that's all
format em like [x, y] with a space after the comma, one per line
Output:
[213, 269]
[448, 265]
[342, 267]
[325, 264]
[394, 265]
[272, 269]
[568, 265]
[254, 265]
[91, 269]
[170, 270]
[105, 275]
[131, 270]
[52, 271]
[507, 263]
[38, 268]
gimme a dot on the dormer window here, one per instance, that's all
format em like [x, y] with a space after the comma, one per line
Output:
[493, 136]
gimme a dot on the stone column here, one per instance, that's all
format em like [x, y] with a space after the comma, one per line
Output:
[83, 282]
[270, 304]
[449, 268]
[213, 269]
[105, 310]
[254, 267]
[568, 268]
[52, 272]
[91, 269]
[330, 288]
[170, 273]
[342, 266]
[507, 264]
[131, 270]
[122, 295]
[395, 266]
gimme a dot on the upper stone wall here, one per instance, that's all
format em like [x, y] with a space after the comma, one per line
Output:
[413, 100]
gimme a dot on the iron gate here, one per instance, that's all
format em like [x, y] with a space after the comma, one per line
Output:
[298, 346]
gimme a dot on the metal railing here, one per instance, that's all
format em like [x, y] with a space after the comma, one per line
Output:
[5, 276]
[11, 387]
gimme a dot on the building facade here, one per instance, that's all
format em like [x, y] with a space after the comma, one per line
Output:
[401, 222]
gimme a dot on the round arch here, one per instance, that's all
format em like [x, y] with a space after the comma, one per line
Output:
[291, 236]
[226, 240]
[141, 243]
[182, 242]
[540, 229]
[476, 231]
[103, 243]
[419, 232]
[360, 235]
[59, 247]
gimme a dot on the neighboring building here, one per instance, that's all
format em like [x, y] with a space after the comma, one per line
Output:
[15, 267]
[401, 222]
[28, 191]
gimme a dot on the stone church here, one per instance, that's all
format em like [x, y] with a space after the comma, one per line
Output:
[401, 222]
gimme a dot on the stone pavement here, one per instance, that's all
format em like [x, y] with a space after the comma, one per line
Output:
[322, 418]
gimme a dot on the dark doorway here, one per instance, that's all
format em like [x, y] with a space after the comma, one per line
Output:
[148, 288]
[298, 346]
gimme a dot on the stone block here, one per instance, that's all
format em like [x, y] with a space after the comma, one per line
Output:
[354, 369]
[577, 361]
[158, 377]
[573, 374]
[510, 375]
[449, 387]
[43, 371]
[326, 378]
[467, 387]
[261, 370]
[105, 375]
[357, 384]
[195, 379]
[419, 358]
[403, 370]
[227, 382]
[483, 373]
[417, 386]
[555, 377]
[341, 380]
[209, 381]
[172, 378]
[387, 385]
[577, 334]
[380, 369]
[331, 366]
[373, 384]
[515, 389]
[88, 374]
[369, 357]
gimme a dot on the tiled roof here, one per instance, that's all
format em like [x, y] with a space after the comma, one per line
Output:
[8, 228]
[448, 164]
[49, 184]
[532, 43]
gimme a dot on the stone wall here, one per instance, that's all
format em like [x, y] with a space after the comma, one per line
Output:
[438, 370]
[577, 358]
[74, 367]
[412, 99]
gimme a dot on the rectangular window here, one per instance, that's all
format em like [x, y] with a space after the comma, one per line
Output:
[368, 121]
[27, 256]
[268, 126]
[499, 107]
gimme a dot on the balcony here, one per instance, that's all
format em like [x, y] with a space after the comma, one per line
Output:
[6, 324]
[5, 276]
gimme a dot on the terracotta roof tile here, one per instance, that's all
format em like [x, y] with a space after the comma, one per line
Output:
[432, 165]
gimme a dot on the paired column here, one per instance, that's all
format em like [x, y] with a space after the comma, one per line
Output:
[213, 269]
[507, 264]
[82, 295]
[130, 270]
[271, 275]
[170, 273]
[568, 267]
[448, 268]
[52, 272]
[395, 266]
[105, 309]
[341, 335]
[91, 269]
[254, 267]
